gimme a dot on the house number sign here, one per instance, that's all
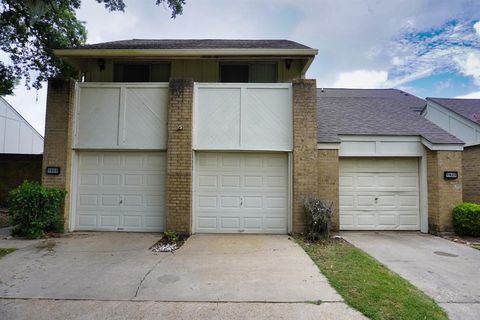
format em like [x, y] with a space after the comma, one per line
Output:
[53, 170]
[450, 175]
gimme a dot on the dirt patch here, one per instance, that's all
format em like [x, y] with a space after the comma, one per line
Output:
[473, 242]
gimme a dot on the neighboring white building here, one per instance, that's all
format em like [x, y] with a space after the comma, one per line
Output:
[16, 134]
[460, 117]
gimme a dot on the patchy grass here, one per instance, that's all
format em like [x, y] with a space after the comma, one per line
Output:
[369, 286]
[5, 251]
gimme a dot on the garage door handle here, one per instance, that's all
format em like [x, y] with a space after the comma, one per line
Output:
[241, 202]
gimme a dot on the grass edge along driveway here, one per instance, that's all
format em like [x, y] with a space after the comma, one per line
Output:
[5, 251]
[367, 285]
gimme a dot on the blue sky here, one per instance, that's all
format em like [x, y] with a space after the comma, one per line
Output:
[426, 47]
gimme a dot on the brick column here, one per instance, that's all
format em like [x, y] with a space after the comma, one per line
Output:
[304, 147]
[443, 195]
[328, 179]
[471, 174]
[179, 156]
[57, 149]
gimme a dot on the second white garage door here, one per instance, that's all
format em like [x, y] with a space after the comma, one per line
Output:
[379, 194]
[241, 192]
[120, 191]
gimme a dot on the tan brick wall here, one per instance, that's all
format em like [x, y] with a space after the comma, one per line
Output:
[471, 174]
[58, 137]
[305, 166]
[443, 195]
[179, 156]
[328, 176]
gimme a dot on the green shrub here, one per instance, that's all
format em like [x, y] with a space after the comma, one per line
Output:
[34, 210]
[466, 219]
[171, 236]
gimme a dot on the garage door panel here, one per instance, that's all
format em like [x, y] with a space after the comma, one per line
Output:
[241, 192]
[379, 194]
[121, 191]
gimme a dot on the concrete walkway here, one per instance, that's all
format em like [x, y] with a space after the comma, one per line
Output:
[211, 275]
[446, 271]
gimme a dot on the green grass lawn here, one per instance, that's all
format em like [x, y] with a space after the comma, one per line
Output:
[5, 251]
[369, 286]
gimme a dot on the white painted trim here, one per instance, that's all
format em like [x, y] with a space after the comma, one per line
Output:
[328, 146]
[73, 191]
[123, 84]
[347, 137]
[193, 203]
[241, 85]
[290, 193]
[262, 149]
[97, 53]
[442, 147]
[423, 190]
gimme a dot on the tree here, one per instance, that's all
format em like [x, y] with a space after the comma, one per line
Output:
[32, 29]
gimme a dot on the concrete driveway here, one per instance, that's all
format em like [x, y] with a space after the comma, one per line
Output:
[234, 275]
[446, 271]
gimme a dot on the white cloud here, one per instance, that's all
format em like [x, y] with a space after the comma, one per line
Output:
[363, 79]
[471, 95]
[469, 65]
[476, 26]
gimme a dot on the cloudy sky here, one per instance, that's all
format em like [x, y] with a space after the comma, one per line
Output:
[430, 48]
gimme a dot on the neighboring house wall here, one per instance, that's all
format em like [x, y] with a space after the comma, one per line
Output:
[462, 128]
[471, 174]
[199, 70]
[443, 195]
[16, 134]
[16, 168]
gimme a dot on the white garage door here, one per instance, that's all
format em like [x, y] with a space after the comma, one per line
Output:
[121, 191]
[379, 194]
[241, 192]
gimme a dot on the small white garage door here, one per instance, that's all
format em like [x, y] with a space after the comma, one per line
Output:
[121, 191]
[379, 194]
[241, 192]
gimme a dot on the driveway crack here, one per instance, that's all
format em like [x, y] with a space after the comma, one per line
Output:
[146, 275]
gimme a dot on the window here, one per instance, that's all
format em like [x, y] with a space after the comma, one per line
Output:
[134, 72]
[255, 72]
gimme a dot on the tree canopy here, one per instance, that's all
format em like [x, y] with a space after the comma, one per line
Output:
[32, 29]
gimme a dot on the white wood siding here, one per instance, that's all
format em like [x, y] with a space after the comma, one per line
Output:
[243, 117]
[380, 146]
[462, 128]
[121, 116]
[16, 134]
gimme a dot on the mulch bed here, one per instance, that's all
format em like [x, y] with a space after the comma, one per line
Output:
[473, 242]
[164, 245]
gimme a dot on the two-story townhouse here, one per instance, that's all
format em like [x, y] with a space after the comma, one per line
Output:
[226, 136]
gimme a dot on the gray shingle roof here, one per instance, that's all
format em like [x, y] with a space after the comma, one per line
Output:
[387, 112]
[467, 108]
[195, 44]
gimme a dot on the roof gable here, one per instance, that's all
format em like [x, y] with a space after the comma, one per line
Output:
[467, 108]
